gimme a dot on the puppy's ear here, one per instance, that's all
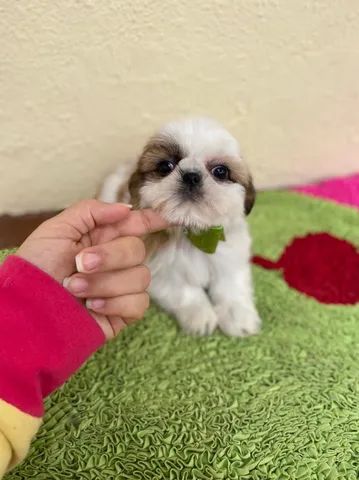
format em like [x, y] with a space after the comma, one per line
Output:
[135, 183]
[250, 196]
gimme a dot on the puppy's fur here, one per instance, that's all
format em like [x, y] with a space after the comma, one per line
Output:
[203, 291]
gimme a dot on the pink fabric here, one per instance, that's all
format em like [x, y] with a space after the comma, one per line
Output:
[45, 335]
[341, 190]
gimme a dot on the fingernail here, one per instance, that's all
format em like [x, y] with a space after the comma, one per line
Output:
[85, 262]
[95, 303]
[127, 205]
[75, 285]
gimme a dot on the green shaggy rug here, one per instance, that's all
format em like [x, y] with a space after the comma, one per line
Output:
[156, 404]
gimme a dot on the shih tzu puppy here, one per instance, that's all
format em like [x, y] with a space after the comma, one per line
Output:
[192, 173]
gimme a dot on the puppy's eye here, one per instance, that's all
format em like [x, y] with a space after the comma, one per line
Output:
[221, 172]
[165, 167]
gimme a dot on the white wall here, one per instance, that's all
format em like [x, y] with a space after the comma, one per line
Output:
[82, 83]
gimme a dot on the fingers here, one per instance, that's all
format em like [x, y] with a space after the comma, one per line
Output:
[118, 324]
[126, 306]
[109, 284]
[115, 299]
[95, 213]
[124, 252]
[141, 222]
[111, 275]
[111, 326]
[89, 214]
[137, 223]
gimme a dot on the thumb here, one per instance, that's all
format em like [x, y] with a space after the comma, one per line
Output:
[51, 245]
[86, 215]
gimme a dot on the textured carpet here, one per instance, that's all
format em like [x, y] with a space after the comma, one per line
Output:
[156, 404]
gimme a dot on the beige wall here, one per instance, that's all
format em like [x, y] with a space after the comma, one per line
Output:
[82, 83]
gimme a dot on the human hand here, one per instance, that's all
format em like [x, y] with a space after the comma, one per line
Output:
[101, 241]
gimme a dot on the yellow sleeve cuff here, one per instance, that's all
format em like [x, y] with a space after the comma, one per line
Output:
[17, 430]
[5, 455]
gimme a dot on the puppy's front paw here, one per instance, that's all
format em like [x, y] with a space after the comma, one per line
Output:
[237, 320]
[198, 320]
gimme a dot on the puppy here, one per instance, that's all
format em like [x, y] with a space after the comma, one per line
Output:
[192, 173]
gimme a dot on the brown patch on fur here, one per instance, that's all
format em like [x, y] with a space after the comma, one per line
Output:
[121, 194]
[134, 185]
[250, 197]
[239, 173]
[157, 149]
[154, 241]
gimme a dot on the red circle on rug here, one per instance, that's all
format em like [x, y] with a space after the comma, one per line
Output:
[321, 266]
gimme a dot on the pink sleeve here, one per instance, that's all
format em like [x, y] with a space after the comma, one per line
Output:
[45, 335]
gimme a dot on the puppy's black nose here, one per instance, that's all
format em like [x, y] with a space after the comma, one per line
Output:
[192, 178]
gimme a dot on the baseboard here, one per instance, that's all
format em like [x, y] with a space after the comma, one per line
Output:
[15, 228]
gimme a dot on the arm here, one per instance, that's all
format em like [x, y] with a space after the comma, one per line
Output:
[45, 332]
[46, 335]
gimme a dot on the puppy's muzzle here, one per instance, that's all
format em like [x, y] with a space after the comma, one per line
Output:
[192, 180]
[191, 184]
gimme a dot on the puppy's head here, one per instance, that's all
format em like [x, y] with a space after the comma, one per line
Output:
[192, 173]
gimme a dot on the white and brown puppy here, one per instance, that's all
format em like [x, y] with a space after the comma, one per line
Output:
[192, 173]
